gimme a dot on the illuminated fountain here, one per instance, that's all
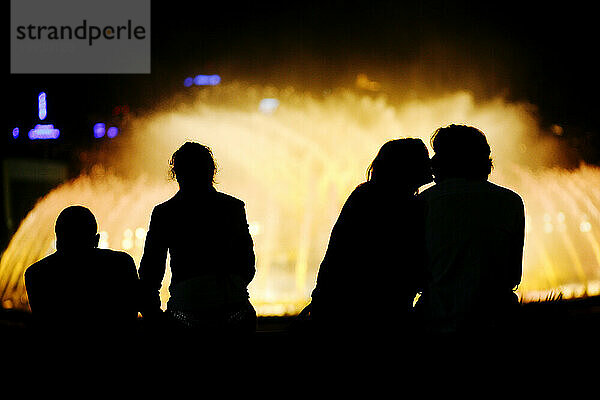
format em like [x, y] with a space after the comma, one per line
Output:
[562, 252]
[294, 158]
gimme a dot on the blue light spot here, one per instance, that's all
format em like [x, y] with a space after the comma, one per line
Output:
[99, 130]
[207, 80]
[42, 106]
[44, 132]
[200, 80]
[15, 132]
[112, 132]
[268, 106]
[188, 82]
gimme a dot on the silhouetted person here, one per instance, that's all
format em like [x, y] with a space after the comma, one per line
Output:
[372, 268]
[210, 247]
[80, 286]
[475, 232]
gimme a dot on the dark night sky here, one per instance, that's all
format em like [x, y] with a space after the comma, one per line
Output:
[537, 52]
[541, 53]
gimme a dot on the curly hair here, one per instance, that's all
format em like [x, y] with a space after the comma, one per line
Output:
[193, 160]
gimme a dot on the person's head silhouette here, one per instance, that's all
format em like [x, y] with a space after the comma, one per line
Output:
[401, 163]
[193, 166]
[460, 152]
[76, 229]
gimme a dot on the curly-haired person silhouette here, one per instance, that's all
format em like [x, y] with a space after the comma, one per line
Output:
[475, 233]
[211, 252]
[372, 268]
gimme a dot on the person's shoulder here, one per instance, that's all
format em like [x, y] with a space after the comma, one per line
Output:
[362, 196]
[359, 194]
[172, 202]
[508, 194]
[228, 199]
[114, 255]
[38, 266]
[362, 191]
[363, 188]
[165, 208]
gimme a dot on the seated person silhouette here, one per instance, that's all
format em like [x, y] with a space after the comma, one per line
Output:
[371, 271]
[211, 252]
[80, 286]
[475, 232]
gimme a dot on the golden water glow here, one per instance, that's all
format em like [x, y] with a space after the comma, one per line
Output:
[294, 168]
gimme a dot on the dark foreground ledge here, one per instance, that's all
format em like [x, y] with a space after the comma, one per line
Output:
[544, 319]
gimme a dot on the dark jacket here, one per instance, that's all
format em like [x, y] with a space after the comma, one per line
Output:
[88, 287]
[210, 248]
[475, 231]
[374, 260]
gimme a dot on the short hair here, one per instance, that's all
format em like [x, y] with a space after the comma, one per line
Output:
[193, 160]
[75, 227]
[462, 152]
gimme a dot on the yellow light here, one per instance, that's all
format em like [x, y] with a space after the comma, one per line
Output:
[579, 290]
[363, 82]
[298, 166]
[567, 292]
[127, 244]
[593, 288]
[585, 226]
[140, 233]
[254, 228]
[103, 242]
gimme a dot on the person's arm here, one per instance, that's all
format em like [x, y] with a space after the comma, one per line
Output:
[131, 294]
[152, 266]
[419, 264]
[243, 248]
[340, 251]
[31, 288]
[516, 261]
[37, 293]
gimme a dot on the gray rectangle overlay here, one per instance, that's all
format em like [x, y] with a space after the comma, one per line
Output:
[80, 36]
